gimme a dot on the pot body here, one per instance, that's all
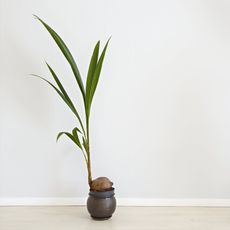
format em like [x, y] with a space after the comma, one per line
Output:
[101, 205]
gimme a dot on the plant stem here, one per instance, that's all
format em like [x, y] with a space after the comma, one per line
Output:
[88, 153]
[89, 172]
[85, 156]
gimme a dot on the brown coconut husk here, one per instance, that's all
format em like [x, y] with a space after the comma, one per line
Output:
[101, 184]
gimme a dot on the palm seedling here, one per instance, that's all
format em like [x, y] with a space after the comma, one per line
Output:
[80, 134]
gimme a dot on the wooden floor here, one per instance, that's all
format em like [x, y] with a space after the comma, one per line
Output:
[125, 218]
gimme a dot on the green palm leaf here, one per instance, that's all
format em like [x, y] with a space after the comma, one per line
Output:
[63, 98]
[91, 70]
[64, 93]
[76, 129]
[71, 137]
[64, 49]
[75, 134]
[55, 88]
[97, 75]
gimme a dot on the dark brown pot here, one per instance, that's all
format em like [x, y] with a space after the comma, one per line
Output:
[101, 205]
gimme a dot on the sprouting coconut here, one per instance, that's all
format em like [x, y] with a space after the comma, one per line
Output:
[101, 184]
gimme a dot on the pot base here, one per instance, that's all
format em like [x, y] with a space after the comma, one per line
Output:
[101, 218]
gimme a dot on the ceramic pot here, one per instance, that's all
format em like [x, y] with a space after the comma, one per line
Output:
[101, 205]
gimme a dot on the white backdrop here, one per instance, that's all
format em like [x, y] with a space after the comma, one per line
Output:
[160, 124]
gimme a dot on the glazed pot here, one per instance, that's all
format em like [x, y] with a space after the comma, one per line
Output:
[101, 205]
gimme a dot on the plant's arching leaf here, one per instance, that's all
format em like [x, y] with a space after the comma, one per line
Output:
[76, 129]
[55, 88]
[91, 70]
[97, 74]
[71, 137]
[59, 84]
[75, 135]
[64, 93]
[60, 93]
[64, 49]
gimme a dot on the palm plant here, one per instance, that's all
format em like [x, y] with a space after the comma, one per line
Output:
[80, 135]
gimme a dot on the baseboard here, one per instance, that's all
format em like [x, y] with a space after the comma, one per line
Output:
[64, 201]
[40, 201]
[174, 202]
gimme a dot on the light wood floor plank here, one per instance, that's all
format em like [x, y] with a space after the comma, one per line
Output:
[125, 218]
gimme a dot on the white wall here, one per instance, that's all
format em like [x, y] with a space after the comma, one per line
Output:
[161, 115]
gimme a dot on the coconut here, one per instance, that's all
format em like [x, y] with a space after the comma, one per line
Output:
[101, 184]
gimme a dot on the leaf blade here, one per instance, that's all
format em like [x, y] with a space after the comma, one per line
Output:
[70, 137]
[62, 89]
[97, 74]
[53, 86]
[60, 94]
[91, 70]
[75, 135]
[64, 49]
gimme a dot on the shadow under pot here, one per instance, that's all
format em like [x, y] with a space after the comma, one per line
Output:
[101, 205]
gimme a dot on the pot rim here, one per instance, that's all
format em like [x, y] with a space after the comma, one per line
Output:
[102, 194]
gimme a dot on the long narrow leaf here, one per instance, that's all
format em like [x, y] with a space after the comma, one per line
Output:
[64, 93]
[59, 84]
[77, 129]
[54, 87]
[75, 134]
[61, 95]
[91, 70]
[70, 137]
[64, 49]
[97, 75]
